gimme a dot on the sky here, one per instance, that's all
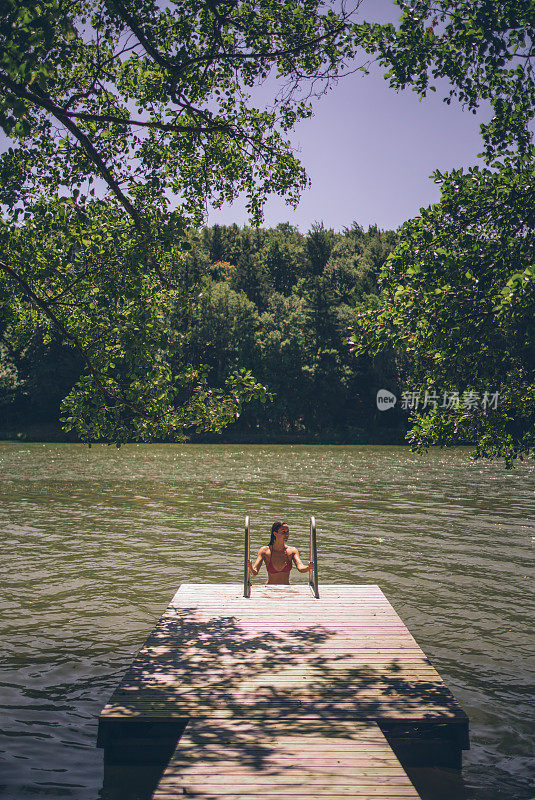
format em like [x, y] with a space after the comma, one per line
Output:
[369, 151]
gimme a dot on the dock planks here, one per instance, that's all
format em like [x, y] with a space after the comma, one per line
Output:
[240, 759]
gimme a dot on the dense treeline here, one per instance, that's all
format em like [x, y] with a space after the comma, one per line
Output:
[273, 301]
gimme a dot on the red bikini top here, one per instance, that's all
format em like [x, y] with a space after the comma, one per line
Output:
[287, 567]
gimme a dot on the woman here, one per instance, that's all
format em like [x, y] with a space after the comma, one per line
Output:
[279, 558]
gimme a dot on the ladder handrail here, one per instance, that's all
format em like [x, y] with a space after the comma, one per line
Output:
[313, 578]
[247, 556]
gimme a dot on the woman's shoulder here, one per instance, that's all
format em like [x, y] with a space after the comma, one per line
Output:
[263, 550]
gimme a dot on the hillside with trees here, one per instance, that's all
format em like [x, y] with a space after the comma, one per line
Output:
[274, 302]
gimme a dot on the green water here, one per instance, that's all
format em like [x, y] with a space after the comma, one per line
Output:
[95, 542]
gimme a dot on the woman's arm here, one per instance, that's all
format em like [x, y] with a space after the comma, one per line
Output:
[256, 566]
[299, 564]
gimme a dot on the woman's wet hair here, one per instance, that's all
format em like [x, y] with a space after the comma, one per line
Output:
[274, 528]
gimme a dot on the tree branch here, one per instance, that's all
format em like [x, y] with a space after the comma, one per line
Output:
[168, 64]
[161, 126]
[42, 100]
[80, 349]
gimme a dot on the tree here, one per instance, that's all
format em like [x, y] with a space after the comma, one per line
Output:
[319, 243]
[221, 334]
[484, 49]
[144, 104]
[282, 265]
[250, 277]
[40, 372]
[356, 260]
[458, 296]
[85, 276]
[152, 99]
[216, 245]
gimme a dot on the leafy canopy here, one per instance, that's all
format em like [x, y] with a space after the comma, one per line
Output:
[85, 275]
[152, 100]
[458, 297]
[484, 50]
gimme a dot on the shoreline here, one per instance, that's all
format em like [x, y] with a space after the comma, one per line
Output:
[52, 433]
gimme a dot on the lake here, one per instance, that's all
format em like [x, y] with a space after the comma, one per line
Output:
[96, 541]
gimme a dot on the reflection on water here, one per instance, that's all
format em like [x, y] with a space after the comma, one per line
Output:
[96, 541]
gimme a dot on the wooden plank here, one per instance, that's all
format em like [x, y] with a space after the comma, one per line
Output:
[294, 788]
[330, 625]
[297, 612]
[383, 713]
[369, 707]
[306, 687]
[265, 760]
[198, 655]
[201, 657]
[195, 667]
[439, 700]
[284, 684]
[160, 712]
[365, 793]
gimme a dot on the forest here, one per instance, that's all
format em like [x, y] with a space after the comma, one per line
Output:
[273, 301]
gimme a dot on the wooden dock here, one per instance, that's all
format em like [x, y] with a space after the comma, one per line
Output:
[235, 762]
[282, 673]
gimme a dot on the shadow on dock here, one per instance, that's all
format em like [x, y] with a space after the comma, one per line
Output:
[297, 678]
